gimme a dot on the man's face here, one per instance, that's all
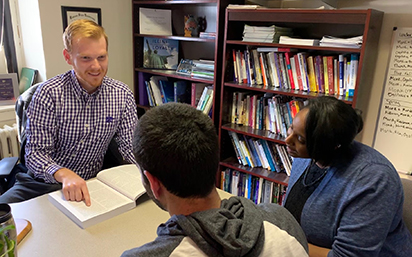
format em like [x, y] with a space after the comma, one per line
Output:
[89, 60]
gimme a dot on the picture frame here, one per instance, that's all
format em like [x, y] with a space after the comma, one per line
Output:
[72, 13]
[9, 88]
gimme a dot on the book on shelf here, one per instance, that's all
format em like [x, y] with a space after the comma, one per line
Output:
[353, 70]
[319, 69]
[256, 67]
[264, 34]
[185, 67]
[160, 53]
[289, 70]
[112, 192]
[341, 75]
[274, 49]
[336, 76]
[196, 92]
[167, 90]
[298, 41]
[284, 77]
[313, 87]
[353, 42]
[303, 71]
[257, 189]
[181, 92]
[244, 6]
[207, 95]
[150, 94]
[207, 34]
[156, 90]
[207, 65]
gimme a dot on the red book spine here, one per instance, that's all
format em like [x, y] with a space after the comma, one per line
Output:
[289, 68]
[330, 75]
[193, 96]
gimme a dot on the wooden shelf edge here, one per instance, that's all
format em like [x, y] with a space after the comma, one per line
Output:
[289, 92]
[173, 74]
[144, 107]
[320, 48]
[147, 2]
[249, 131]
[280, 178]
[180, 38]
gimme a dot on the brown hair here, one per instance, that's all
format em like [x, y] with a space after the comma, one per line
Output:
[83, 28]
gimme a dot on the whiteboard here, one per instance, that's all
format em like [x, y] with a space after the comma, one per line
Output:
[393, 135]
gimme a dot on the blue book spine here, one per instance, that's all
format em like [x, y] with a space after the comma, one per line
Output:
[246, 56]
[249, 184]
[253, 150]
[267, 153]
[149, 94]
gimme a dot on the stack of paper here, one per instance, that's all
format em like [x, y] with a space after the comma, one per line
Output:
[263, 34]
[354, 42]
[298, 41]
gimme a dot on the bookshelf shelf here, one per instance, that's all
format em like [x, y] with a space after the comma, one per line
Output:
[257, 133]
[173, 74]
[247, 100]
[281, 91]
[302, 47]
[180, 38]
[175, 2]
[280, 178]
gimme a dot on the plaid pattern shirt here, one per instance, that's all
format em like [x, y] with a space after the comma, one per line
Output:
[67, 127]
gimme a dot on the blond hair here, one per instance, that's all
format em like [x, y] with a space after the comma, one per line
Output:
[84, 29]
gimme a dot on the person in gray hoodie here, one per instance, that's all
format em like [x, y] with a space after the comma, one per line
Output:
[177, 149]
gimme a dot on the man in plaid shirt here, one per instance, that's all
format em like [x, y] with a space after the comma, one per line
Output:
[72, 119]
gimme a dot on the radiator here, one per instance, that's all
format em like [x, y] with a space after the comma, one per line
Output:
[9, 142]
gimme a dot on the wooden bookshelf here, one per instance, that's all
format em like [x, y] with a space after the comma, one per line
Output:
[189, 47]
[306, 24]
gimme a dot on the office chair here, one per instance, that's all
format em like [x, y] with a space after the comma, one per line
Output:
[407, 204]
[10, 166]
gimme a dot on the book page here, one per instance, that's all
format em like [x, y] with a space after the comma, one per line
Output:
[104, 199]
[125, 178]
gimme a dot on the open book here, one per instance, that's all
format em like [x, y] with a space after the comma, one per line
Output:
[112, 192]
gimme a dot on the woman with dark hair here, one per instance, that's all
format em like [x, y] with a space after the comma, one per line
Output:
[347, 196]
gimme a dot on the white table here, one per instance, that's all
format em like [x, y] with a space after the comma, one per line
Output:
[54, 234]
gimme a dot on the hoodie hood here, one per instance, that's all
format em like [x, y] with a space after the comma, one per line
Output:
[236, 229]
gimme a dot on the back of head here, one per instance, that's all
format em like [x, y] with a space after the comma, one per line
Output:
[331, 126]
[178, 145]
[85, 29]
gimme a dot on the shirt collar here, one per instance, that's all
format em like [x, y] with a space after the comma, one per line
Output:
[81, 92]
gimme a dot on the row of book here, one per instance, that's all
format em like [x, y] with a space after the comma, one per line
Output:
[202, 97]
[265, 112]
[262, 34]
[160, 91]
[257, 189]
[353, 42]
[280, 68]
[197, 68]
[255, 152]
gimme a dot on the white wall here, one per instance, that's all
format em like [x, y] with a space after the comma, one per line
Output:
[42, 28]
[397, 13]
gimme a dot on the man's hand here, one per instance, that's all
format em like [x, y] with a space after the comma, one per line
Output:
[74, 187]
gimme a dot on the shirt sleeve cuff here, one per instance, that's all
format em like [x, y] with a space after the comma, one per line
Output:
[49, 176]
